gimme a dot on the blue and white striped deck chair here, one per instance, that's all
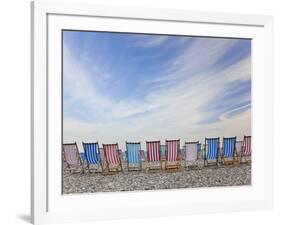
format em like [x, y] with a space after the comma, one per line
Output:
[133, 155]
[211, 152]
[229, 150]
[92, 155]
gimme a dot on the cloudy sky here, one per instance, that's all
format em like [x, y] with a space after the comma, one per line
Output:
[121, 87]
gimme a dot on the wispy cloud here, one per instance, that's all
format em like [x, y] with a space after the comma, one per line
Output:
[189, 95]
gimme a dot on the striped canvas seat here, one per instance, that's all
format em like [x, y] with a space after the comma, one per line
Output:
[71, 155]
[153, 155]
[92, 154]
[211, 150]
[172, 154]
[112, 156]
[133, 155]
[247, 148]
[228, 149]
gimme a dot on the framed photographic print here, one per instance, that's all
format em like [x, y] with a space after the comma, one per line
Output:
[135, 109]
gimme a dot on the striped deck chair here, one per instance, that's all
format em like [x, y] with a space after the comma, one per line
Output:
[72, 157]
[229, 154]
[246, 149]
[153, 155]
[133, 156]
[211, 151]
[191, 154]
[112, 157]
[173, 160]
[92, 155]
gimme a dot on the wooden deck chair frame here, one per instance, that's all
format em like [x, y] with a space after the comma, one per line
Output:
[177, 166]
[242, 151]
[107, 170]
[139, 168]
[88, 164]
[206, 163]
[78, 155]
[191, 166]
[235, 159]
[148, 167]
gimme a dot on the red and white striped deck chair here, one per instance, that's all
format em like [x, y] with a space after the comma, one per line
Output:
[72, 157]
[246, 149]
[153, 155]
[173, 160]
[112, 157]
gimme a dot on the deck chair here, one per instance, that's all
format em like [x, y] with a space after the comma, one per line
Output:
[72, 157]
[191, 154]
[112, 157]
[173, 160]
[211, 151]
[246, 149]
[133, 156]
[92, 155]
[153, 155]
[229, 154]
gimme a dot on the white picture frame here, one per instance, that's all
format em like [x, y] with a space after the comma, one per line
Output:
[48, 205]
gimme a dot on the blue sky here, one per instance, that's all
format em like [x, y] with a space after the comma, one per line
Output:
[129, 87]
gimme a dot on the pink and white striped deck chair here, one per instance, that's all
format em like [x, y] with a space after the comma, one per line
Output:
[153, 155]
[72, 157]
[246, 149]
[173, 160]
[191, 154]
[112, 157]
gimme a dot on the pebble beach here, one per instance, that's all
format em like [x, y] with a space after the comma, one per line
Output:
[92, 182]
